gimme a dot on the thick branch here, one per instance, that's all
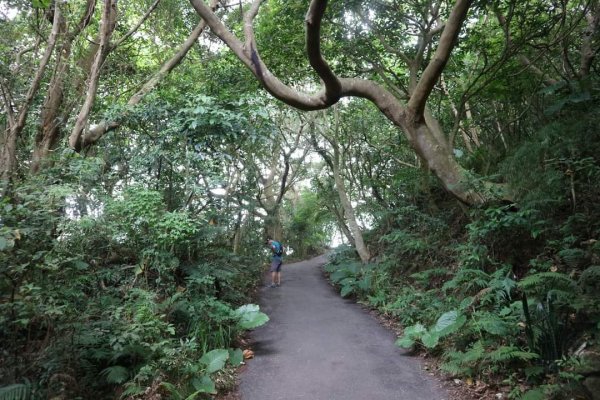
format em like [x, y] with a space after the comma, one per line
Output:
[99, 130]
[588, 52]
[433, 71]
[548, 81]
[248, 54]
[283, 186]
[106, 30]
[35, 83]
[85, 19]
[428, 143]
[314, 17]
[7, 99]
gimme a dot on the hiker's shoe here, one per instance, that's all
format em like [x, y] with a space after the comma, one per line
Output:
[272, 285]
[278, 284]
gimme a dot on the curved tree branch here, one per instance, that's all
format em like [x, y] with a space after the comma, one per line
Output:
[135, 27]
[248, 53]
[428, 143]
[314, 17]
[107, 28]
[7, 99]
[97, 131]
[433, 71]
[588, 52]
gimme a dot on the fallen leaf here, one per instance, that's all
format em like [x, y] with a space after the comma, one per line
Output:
[248, 354]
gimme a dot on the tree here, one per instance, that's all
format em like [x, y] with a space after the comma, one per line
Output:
[336, 158]
[283, 167]
[75, 68]
[413, 118]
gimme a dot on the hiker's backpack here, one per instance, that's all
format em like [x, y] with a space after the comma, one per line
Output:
[279, 251]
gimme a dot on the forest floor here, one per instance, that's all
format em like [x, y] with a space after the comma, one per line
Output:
[319, 346]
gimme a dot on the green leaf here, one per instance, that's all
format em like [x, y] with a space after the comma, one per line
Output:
[214, 360]
[250, 317]
[405, 342]
[448, 323]
[337, 276]
[41, 3]
[175, 395]
[411, 334]
[365, 283]
[204, 385]
[3, 244]
[194, 395]
[236, 357]
[534, 394]
[415, 331]
[81, 265]
[346, 290]
[17, 391]
[446, 320]
[430, 339]
[247, 308]
[116, 374]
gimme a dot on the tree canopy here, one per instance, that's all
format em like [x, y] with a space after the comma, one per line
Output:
[149, 148]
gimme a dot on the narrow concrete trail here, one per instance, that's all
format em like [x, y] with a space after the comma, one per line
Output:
[318, 346]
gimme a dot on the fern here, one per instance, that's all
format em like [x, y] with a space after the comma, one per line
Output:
[467, 279]
[17, 391]
[474, 354]
[493, 324]
[463, 363]
[544, 281]
[511, 353]
[572, 257]
[132, 389]
[116, 374]
[426, 276]
[404, 242]
[590, 278]
[173, 391]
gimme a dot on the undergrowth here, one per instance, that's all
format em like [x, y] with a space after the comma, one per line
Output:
[511, 300]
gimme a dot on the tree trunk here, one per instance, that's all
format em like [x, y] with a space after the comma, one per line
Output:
[8, 157]
[359, 243]
[95, 132]
[237, 234]
[49, 129]
[273, 225]
[8, 153]
[344, 228]
[107, 27]
[52, 115]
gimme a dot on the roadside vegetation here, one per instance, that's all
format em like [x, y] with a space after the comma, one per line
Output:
[148, 148]
[506, 296]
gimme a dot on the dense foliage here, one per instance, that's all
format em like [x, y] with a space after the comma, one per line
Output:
[141, 171]
[125, 291]
[505, 294]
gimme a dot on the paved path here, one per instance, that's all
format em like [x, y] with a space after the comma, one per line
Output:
[318, 346]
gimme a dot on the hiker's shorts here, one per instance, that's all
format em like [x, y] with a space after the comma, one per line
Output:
[276, 265]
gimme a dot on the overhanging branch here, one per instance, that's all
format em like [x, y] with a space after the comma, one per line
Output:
[435, 67]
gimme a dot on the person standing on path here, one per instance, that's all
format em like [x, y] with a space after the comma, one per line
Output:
[276, 261]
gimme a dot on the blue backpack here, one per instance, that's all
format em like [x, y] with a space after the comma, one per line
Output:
[278, 248]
